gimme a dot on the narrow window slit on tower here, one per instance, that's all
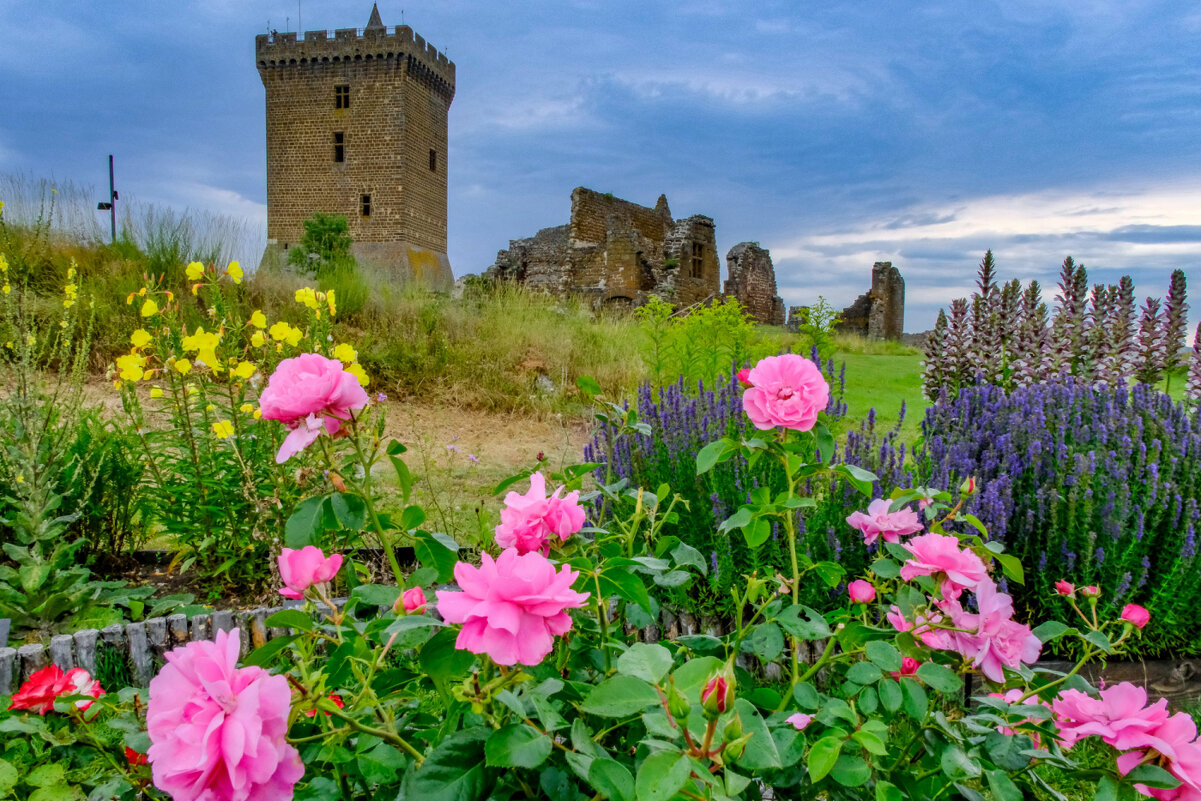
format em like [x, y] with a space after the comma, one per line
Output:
[365, 205]
[698, 258]
[339, 146]
[433, 160]
[342, 96]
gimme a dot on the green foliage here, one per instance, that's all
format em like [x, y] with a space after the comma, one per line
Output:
[324, 246]
[699, 345]
[816, 326]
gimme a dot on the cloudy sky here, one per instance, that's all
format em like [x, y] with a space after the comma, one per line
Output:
[835, 134]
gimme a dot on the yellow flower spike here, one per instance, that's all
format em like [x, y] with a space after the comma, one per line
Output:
[140, 338]
[244, 370]
[182, 366]
[194, 271]
[345, 353]
[223, 429]
[257, 339]
[358, 372]
[246, 408]
[70, 272]
[149, 308]
[156, 393]
[258, 319]
[235, 272]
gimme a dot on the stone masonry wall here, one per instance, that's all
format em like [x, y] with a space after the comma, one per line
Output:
[400, 91]
[752, 282]
[880, 312]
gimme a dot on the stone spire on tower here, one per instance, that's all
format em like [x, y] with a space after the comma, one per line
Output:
[375, 23]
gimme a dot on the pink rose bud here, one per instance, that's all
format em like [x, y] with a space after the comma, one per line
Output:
[799, 721]
[861, 592]
[924, 503]
[305, 568]
[1091, 591]
[909, 667]
[1066, 589]
[968, 487]
[744, 376]
[717, 696]
[411, 601]
[1136, 615]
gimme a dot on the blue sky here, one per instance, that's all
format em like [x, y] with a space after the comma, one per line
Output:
[835, 134]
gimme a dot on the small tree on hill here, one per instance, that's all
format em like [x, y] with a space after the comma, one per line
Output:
[325, 243]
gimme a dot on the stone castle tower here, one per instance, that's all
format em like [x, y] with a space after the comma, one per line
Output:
[357, 126]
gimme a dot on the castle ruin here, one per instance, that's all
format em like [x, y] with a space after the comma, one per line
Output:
[357, 126]
[880, 312]
[617, 254]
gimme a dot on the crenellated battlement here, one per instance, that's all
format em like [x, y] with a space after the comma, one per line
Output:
[288, 50]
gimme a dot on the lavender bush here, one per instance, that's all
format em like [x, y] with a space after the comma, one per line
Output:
[1087, 483]
[683, 418]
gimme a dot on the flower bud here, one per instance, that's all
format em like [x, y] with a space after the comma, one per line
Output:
[1065, 589]
[744, 376]
[1136, 615]
[733, 729]
[799, 721]
[677, 704]
[1091, 591]
[718, 695]
[861, 592]
[968, 487]
[734, 749]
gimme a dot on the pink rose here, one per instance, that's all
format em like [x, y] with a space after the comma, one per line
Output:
[1120, 717]
[1065, 589]
[1013, 696]
[861, 592]
[528, 522]
[909, 667]
[788, 391]
[922, 627]
[799, 721]
[412, 601]
[304, 568]
[43, 687]
[879, 522]
[994, 640]
[1178, 750]
[1091, 591]
[744, 376]
[512, 607]
[217, 732]
[717, 696]
[1136, 615]
[310, 394]
[939, 555]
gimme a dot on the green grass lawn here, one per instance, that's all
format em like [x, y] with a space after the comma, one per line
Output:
[884, 383]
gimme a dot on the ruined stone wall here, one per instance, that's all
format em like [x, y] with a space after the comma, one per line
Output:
[880, 312]
[594, 215]
[696, 272]
[400, 91]
[752, 282]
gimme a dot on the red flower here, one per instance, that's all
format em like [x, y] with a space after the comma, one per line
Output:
[337, 699]
[40, 690]
[134, 758]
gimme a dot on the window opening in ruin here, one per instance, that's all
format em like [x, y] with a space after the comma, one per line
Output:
[698, 258]
[342, 96]
[339, 147]
[365, 205]
[433, 160]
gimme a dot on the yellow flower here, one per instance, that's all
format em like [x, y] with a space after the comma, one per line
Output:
[156, 393]
[279, 331]
[130, 366]
[223, 429]
[235, 272]
[20, 479]
[140, 338]
[246, 408]
[333, 306]
[358, 372]
[257, 339]
[258, 413]
[294, 337]
[307, 296]
[31, 339]
[70, 291]
[244, 370]
[194, 271]
[149, 308]
[68, 303]
[205, 344]
[258, 319]
[183, 366]
[6, 288]
[345, 353]
[71, 272]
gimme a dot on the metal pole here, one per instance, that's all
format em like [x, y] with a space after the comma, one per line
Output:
[112, 200]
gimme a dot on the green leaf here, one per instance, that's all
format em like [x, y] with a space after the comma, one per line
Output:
[409, 630]
[860, 479]
[56, 792]
[612, 779]
[890, 694]
[886, 568]
[870, 742]
[621, 582]
[812, 627]
[1011, 566]
[739, 519]
[46, 775]
[1152, 776]
[33, 576]
[517, 746]
[412, 517]
[442, 661]
[587, 384]
[886, 791]
[382, 764]
[939, 677]
[661, 776]
[1050, 630]
[958, 765]
[8, 778]
[437, 551]
[711, 454]
[1100, 640]
[645, 661]
[825, 443]
[851, 771]
[265, 654]
[915, 703]
[1005, 750]
[620, 696]
[760, 753]
[350, 510]
[381, 595]
[864, 673]
[766, 642]
[822, 757]
[404, 478]
[685, 554]
[291, 619]
[691, 676]
[806, 695]
[883, 654]
[1107, 789]
[1003, 788]
[757, 532]
[304, 525]
[830, 573]
[453, 771]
